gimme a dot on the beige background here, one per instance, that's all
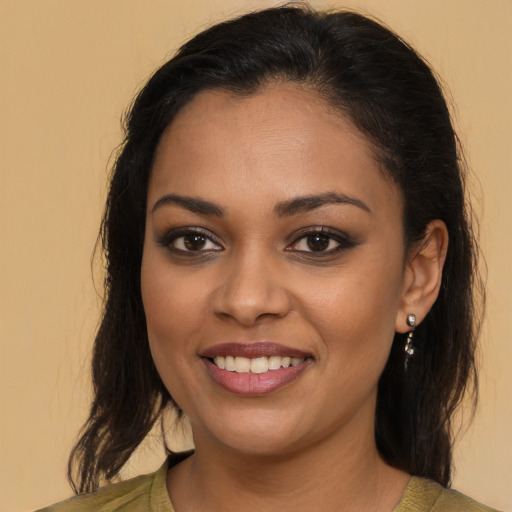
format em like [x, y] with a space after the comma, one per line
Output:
[68, 69]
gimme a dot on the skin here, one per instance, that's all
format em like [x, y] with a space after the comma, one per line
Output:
[310, 444]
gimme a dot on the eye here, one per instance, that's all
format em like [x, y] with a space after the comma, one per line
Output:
[194, 242]
[321, 240]
[317, 242]
[190, 241]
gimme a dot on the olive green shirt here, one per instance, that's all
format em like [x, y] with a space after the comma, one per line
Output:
[148, 493]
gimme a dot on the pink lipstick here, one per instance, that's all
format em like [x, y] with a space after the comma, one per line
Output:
[254, 369]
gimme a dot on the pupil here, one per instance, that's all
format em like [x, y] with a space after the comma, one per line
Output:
[318, 242]
[194, 242]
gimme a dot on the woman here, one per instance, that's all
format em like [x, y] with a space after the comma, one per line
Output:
[290, 264]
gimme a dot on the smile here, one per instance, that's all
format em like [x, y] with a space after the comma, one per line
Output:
[255, 369]
[257, 365]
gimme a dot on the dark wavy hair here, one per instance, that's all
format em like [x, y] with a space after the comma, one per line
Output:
[368, 74]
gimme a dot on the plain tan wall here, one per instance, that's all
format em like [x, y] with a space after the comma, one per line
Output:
[68, 70]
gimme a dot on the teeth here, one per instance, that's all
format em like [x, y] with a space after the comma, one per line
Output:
[242, 365]
[256, 365]
[230, 363]
[274, 362]
[259, 365]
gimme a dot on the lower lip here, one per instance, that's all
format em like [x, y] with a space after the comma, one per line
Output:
[255, 384]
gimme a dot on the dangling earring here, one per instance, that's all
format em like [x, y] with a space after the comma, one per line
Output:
[409, 348]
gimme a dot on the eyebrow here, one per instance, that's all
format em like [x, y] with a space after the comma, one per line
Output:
[287, 208]
[193, 204]
[304, 204]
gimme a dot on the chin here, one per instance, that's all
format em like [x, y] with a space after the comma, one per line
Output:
[257, 438]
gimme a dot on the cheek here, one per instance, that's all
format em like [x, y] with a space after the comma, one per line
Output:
[355, 311]
[168, 314]
[173, 303]
[171, 321]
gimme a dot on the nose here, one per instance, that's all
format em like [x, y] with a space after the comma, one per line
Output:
[252, 290]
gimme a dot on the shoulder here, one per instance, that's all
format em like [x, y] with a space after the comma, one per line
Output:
[146, 492]
[425, 495]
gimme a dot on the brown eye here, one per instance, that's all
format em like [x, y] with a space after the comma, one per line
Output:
[190, 240]
[318, 242]
[194, 242]
[321, 241]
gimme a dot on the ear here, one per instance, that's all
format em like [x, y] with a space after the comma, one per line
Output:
[423, 274]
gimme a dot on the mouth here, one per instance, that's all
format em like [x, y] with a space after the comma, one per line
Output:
[254, 369]
[256, 365]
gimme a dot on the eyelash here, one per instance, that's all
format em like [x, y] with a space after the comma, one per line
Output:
[170, 239]
[342, 240]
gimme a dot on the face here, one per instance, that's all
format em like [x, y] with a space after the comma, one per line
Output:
[272, 270]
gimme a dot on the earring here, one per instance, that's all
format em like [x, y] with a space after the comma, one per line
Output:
[409, 348]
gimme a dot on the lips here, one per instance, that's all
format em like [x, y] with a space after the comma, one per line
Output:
[254, 369]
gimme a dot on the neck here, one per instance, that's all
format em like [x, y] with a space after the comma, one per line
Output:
[335, 474]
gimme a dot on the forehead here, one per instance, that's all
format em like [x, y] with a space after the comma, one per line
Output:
[282, 140]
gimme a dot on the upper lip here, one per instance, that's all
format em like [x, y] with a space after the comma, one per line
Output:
[253, 350]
